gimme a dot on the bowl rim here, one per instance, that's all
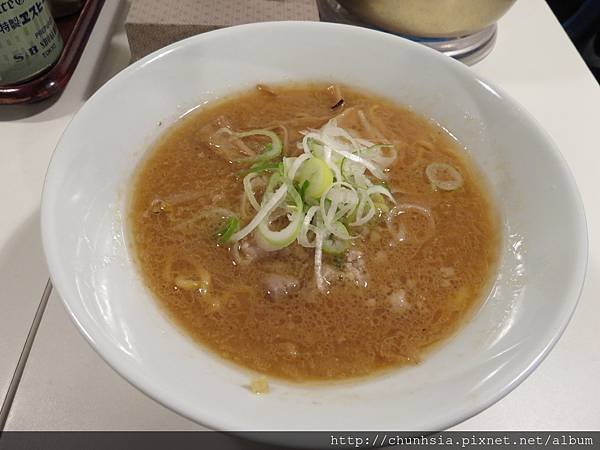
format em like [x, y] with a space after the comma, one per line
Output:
[204, 416]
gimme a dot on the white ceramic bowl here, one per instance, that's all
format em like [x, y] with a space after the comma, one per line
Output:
[544, 251]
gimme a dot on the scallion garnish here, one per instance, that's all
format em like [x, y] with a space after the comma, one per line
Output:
[319, 198]
[224, 233]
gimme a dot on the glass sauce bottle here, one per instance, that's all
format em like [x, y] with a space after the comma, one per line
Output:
[29, 40]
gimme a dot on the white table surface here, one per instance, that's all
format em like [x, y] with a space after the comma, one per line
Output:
[66, 386]
[28, 135]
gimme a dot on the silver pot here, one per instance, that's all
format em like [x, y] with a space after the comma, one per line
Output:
[429, 18]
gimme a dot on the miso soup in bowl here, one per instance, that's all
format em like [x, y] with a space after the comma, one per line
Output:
[309, 226]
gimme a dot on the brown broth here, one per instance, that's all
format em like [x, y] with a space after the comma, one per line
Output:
[352, 330]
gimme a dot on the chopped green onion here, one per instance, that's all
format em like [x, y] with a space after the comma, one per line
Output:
[380, 189]
[264, 211]
[443, 176]
[342, 198]
[336, 183]
[364, 215]
[249, 191]
[319, 261]
[308, 227]
[372, 167]
[224, 233]
[312, 146]
[291, 165]
[266, 166]
[376, 155]
[275, 181]
[272, 150]
[275, 240]
[334, 246]
[303, 188]
[318, 174]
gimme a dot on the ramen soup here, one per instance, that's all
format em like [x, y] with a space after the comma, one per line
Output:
[313, 232]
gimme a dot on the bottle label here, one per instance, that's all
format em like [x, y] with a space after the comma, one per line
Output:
[29, 39]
